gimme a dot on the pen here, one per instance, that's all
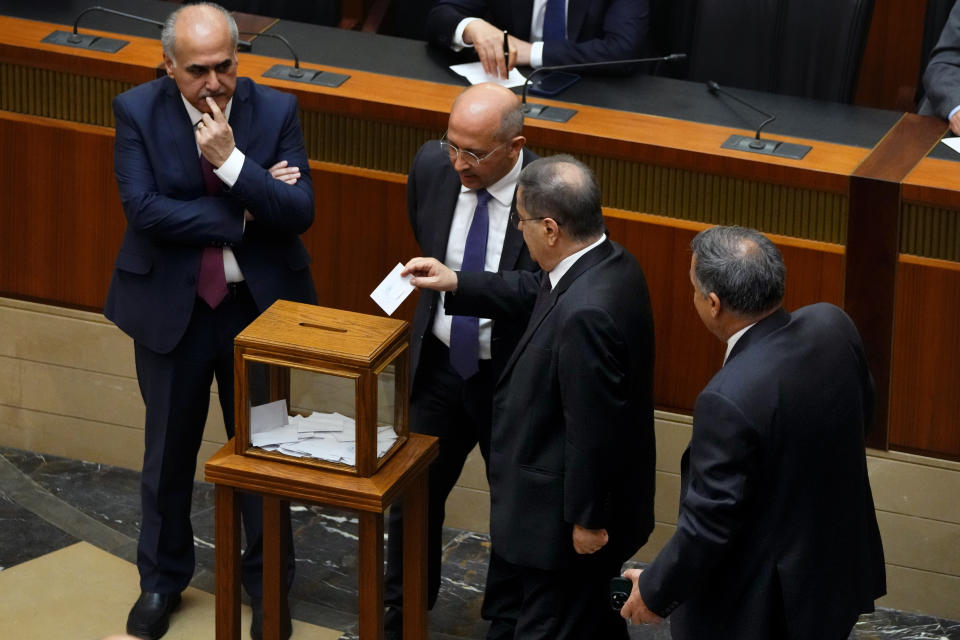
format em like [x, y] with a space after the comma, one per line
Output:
[506, 54]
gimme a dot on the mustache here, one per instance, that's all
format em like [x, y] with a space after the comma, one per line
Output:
[211, 94]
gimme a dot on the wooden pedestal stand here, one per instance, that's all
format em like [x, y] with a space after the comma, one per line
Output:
[402, 477]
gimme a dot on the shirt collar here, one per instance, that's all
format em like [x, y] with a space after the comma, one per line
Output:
[503, 189]
[732, 341]
[195, 115]
[564, 265]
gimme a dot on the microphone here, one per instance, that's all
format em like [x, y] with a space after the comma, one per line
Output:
[557, 114]
[95, 43]
[294, 73]
[756, 144]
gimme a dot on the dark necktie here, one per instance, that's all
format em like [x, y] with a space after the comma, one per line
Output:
[555, 21]
[465, 330]
[211, 281]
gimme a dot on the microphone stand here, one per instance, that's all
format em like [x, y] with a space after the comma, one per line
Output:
[314, 77]
[96, 43]
[559, 114]
[755, 144]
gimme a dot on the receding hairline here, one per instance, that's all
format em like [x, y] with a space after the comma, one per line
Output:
[487, 101]
[215, 17]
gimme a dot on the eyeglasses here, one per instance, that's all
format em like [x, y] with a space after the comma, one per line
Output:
[515, 219]
[468, 156]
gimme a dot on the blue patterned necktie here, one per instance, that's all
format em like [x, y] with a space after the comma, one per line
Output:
[555, 21]
[465, 330]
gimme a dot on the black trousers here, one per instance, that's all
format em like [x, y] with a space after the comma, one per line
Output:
[567, 604]
[458, 412]
[176, 391]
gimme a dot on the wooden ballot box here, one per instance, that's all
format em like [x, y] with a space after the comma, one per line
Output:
[322, 387]
[345, 375]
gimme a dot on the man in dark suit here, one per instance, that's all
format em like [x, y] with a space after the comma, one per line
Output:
[479, 158]
[941, 79]
[777, 535]
[542, 33]
[212, 239]
[572, 450]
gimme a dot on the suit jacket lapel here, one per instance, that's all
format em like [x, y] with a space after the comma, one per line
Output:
[576, 14]
[513, 239]
[581, 266]
[522, 17]
[241, 114]
[178, 127]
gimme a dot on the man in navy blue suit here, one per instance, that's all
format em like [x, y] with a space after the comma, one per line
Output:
[542, 33]
[777, 535]
[208, 167]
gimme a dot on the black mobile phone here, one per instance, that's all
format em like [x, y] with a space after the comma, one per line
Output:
[552, 83]
[620, 589]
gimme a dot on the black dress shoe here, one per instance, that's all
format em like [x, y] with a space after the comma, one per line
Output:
[150, 615]
[256, 625]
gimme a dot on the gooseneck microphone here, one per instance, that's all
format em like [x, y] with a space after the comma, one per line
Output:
[96, 43]
[755, 144]
[315, 77]
[76, 38]
[673, 57]
[715, 89]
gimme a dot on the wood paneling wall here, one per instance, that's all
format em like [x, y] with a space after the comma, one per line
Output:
[925, 407]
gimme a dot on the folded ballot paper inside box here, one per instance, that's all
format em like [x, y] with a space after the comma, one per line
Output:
[324, 436]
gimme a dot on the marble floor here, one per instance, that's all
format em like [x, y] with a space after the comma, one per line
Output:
[47, 503]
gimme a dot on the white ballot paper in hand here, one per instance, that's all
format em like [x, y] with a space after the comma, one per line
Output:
[474, 73]
[393, 290]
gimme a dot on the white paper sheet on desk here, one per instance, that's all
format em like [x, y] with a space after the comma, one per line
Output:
[393, 290]
[474, 73]
[953, 143]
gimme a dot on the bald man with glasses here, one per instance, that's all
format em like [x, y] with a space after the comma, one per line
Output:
[460, 196]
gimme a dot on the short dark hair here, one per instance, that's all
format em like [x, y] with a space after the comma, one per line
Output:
[511, 123]
[742, 266]
[549, 188]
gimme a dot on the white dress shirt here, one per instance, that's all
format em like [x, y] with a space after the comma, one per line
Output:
[536, 32]
[498, 210]
[564, 265]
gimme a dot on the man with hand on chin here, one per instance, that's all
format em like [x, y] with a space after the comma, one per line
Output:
[214, 182]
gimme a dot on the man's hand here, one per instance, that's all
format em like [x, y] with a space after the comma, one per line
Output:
[589, 540]
[214, 135]
[955, 124]
[634, 609]
[286, 174]
[488, 41]
[430, 273]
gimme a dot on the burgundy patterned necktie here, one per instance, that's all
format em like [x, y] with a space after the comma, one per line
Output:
[211, 281]
[465, 330]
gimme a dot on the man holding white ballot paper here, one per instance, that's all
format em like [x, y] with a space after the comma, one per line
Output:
[460, 195]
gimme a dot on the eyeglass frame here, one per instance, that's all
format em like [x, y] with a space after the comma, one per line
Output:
[516, 220]
[456, 152]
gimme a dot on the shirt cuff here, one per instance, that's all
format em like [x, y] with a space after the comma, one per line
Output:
[229, 171]
[953, 111]
[536, 55]
[458, 43]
